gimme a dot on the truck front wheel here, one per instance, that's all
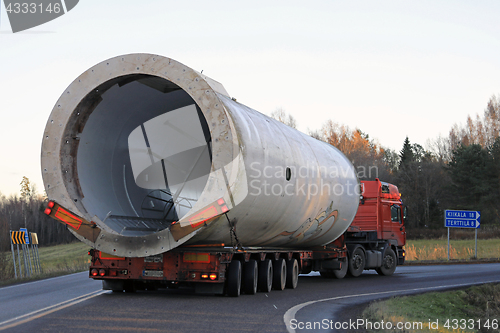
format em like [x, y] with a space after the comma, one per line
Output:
[357, 262]
[340, 273]
[388, 263]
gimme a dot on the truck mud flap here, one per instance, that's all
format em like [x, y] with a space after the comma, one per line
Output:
[209, 288]
[115, 285]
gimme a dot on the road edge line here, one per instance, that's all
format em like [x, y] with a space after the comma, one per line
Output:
[48, 310]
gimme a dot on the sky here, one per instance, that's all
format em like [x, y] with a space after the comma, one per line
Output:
[390, 68]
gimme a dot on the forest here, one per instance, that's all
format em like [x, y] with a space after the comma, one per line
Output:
[460, 171]
[26, 211]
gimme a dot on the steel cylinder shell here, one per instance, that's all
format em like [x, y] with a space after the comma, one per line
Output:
[157, 155]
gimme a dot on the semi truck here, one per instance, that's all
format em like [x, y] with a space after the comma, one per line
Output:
[171, 182]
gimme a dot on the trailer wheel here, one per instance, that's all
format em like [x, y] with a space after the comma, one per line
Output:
[279, 276]
[357, 262]
[265, 282]
[292, 273]
[234, 278]
[340, 273]
[250, 274]
[388, 263]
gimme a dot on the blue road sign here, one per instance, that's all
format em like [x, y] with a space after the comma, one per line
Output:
[26, 236]
[462, 219]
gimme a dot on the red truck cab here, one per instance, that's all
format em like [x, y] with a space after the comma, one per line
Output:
[377, 233]
[381, 210]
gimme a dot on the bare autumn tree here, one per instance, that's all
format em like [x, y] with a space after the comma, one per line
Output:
[282, 116]
[483, 130]
[28, 190]
[369, 158]
[492, 120]
[440, 148]
[6, 265]
[27, 211]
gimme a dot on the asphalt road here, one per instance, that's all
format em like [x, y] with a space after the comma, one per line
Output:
[75, 303]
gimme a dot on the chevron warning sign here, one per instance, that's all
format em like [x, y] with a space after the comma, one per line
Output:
[18, 237]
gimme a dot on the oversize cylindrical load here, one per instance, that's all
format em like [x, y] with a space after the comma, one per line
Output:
[144, 154]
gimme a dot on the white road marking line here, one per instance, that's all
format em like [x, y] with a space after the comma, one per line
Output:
[290, 313]
[49, 309]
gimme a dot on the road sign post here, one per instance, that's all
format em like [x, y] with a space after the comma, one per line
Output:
[34, 250]
[462, 219]
[13, 254]
[27, 255]
[19, 237]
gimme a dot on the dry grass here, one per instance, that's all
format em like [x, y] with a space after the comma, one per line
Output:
[55, 260]
[473, 304]
[437, 249]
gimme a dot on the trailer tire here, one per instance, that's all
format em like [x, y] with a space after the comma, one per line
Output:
[279, 275]
[292, 274]
[265, 282]
[250, 273]
[234, 278]
[389, 263]
[357, 262]
[341, 273]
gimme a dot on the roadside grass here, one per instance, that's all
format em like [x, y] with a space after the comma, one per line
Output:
[470, 307]
[55, 260]
[437, 249]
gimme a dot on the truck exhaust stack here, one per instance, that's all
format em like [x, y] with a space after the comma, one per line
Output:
[142, 154]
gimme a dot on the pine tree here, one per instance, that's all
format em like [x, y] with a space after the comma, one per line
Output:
[472, 171]
[406, 156]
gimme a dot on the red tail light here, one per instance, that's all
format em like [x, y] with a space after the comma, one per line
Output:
[102, 272]
[213, 277]
[50, 205]
[94, 272]
[204, 276]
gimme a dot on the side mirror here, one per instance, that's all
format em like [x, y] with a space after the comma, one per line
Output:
[405, 213]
